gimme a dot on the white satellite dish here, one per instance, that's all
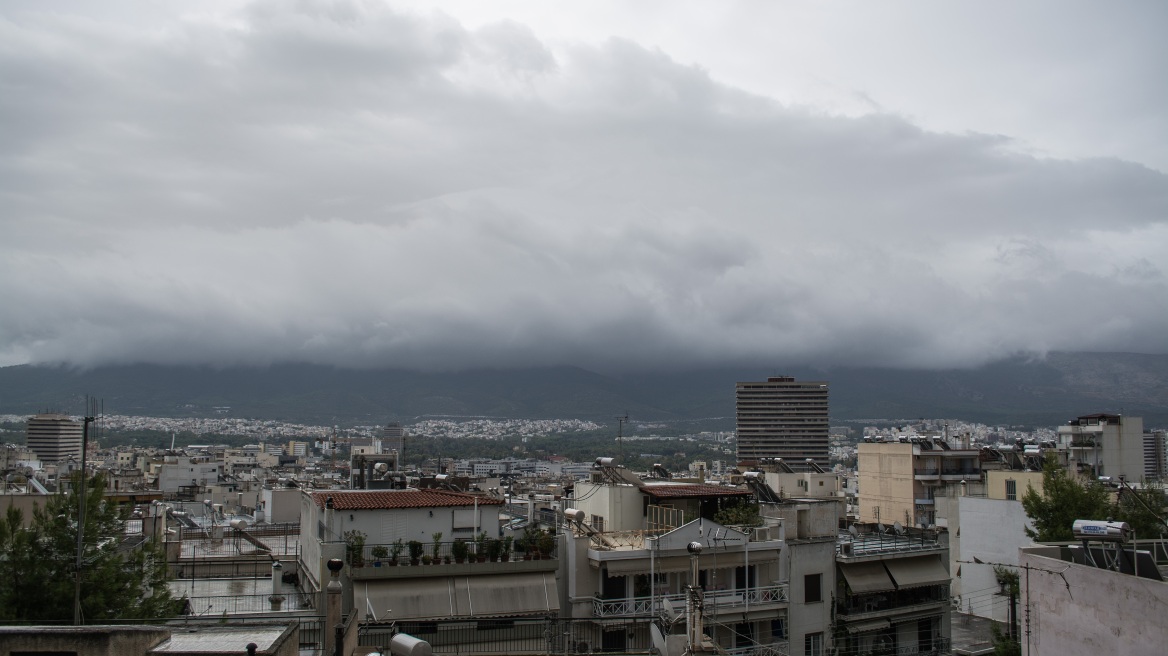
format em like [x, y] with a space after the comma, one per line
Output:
[657, 638]
[898, 528]
[853, 531]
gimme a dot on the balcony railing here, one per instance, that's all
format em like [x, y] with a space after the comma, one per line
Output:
[772, 649]
[372, 555]
[714, 599]
[860, 607]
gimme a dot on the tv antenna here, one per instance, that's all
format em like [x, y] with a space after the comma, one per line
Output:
[621, 420]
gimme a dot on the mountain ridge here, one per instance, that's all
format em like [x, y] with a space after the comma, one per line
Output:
[1022, 391]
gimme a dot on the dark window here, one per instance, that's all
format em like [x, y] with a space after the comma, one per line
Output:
[813, 644]
[779, 629]
[812, 592]
[1012, 490]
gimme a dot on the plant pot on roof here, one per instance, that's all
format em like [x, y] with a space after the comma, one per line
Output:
[415, 552]
[380, 553]
[460, 551]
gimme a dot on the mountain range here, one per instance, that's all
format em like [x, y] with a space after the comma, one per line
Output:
[1015, 391]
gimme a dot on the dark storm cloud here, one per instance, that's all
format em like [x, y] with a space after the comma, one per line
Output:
[348, 184]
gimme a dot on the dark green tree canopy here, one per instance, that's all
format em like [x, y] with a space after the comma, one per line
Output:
[1063, 500]
[38, 563]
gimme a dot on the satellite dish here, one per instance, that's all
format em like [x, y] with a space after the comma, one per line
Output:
[668, 610]
[898, 528]
[853, 531]
[657, 638]
[880, 527]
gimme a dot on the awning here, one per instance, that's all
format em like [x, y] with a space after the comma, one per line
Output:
[513, 594]
[627, 566]
[864, 627]
[405, 598]
[667, 564]
[867, 577]
[915, 572]
[503, 595]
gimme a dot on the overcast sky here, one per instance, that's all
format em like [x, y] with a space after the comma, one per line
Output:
[613, 185]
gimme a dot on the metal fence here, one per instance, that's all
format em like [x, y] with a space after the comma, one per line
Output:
[518, 636]
[236, 604]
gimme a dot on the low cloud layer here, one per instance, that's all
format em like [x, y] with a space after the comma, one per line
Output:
[347, 184]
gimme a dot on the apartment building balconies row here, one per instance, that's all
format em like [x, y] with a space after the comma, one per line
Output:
[716, 602]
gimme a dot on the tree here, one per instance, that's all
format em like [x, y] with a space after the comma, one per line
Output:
[739, 514]
[1142, 509]
[1007, 644]
[38, 562]
[1063, 500]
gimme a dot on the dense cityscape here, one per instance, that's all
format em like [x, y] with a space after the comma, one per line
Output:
[297, 528]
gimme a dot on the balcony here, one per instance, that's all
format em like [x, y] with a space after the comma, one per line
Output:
[960, 474]
[715, 601]
[388, 561]
[927, 474]
[858, 608]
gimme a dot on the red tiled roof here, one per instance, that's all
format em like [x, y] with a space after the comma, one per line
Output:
[386, 499]
[675, 491]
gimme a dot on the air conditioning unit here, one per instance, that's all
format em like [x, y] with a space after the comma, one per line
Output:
[846, 549]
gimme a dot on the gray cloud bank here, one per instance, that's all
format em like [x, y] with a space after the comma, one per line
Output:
[351, 185]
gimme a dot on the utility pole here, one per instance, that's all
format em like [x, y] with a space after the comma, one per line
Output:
[620, 433]
[82, 499]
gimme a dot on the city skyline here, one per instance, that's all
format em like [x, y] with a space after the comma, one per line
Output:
[364, 184]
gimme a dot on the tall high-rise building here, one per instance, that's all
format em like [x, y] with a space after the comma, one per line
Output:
[54, 437]
[782, 418]
[393, 438]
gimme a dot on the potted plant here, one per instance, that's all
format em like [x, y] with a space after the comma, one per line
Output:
[494, 548]
[481, 547]
[379, 552]
[415, 552]
[355, 548]
[436, 545]
[398, 548]
[426, 560]
[547, 544]
[460, 550]
[507, 547]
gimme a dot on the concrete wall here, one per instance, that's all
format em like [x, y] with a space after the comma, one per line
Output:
[281, 505]
[996, 483]
[621, 506]
[1103, 612]
[802, 558]
[26, 503]
[991, 530]
[885, 482]
[82, 640]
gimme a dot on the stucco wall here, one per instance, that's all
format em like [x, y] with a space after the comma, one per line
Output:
[1103, 612]
[885, 482]
[83, 640]
[992, 531]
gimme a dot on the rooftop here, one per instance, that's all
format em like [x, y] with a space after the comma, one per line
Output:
[393, 499]
[676, 490]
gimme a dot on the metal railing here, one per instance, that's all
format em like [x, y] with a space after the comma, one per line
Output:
[395, 555]
[519, 636]
[771, 649]
[715, 600]
[859, 606]
[237, 604]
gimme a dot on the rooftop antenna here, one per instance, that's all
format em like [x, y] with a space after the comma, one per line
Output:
[620, 432]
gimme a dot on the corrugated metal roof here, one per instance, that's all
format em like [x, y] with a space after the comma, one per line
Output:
[386, 499]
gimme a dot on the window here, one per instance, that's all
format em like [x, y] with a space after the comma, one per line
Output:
[779, 629]
[1012, 490]
[812, 592]
[813, 644]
